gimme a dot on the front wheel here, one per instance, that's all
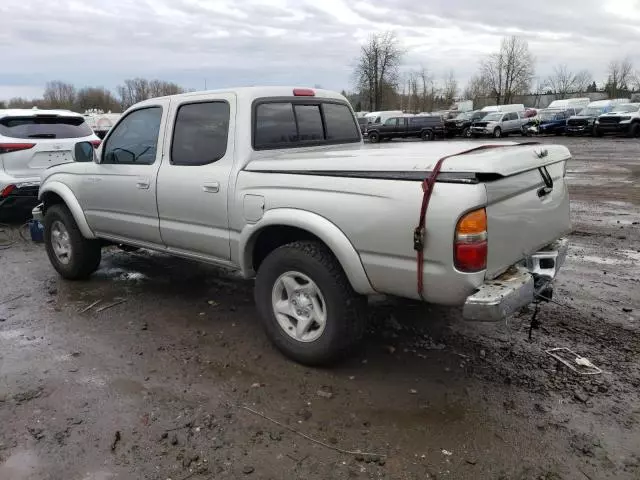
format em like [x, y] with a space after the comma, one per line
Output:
[497, 133]
[374, 137]
[466, 132]
[307, 305]
[72, 255]
[634, 130]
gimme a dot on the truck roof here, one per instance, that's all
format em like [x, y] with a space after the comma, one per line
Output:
[252, 93]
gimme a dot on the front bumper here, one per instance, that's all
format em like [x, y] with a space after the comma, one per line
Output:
[578, 129]
[519, 286]
[23, 198]
[614, 127]
[481, 131]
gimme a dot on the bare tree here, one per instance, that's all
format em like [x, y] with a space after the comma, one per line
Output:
[98, 98]
[59, 94]
[509, 71]
[620, 77]
[564, 81]
[477, 88]
[377, 67]
[136, 90]
[450, 88]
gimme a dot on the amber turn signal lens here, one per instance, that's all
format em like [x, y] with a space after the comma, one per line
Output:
[473, 223]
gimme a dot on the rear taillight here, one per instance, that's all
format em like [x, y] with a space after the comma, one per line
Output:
[470, 246]
[6, 191]
[15, 147]
[96, 143]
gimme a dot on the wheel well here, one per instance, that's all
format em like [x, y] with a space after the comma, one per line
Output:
[51, 198]
[276, 236]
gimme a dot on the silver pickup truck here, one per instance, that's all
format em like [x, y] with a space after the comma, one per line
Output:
[276, 183]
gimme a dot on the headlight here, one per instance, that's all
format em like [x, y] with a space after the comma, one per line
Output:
[624, 119]
[597, 122]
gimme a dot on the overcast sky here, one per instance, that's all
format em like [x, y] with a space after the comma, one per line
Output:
[301, 42]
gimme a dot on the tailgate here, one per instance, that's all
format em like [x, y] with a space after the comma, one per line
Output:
[526, 211]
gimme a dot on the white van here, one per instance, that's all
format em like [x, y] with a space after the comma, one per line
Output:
[514, 107]
[381, 117]
[569, 103]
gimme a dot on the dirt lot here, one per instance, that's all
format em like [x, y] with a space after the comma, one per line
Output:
[155, 387]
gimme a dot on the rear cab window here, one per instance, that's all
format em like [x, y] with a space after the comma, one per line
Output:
[44, 126]
[293, 123]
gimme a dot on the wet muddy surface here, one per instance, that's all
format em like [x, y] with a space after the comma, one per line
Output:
[167, 374]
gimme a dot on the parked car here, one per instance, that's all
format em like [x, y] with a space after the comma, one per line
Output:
[382, 116]
[512, 107]
[420, 126]
[498, 124]
[577, 103]
[32, 140]
[584, 121]
[276, 183]
[622, 119]
[461, 125]
[363, 122]
[548, 121]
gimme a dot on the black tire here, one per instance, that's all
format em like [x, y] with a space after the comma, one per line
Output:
[466, 132]
[345, 309]
[634, 130]
[427, 135]
[597, 132]
[374, 137]
[497, 132]
[84, 256]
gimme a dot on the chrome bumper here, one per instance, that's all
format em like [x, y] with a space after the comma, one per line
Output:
[517, 287]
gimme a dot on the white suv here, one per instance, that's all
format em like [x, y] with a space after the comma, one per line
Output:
[31, 141]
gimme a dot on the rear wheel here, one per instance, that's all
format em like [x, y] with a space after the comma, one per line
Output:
[427, 135]
[308, 307]
[72, 255]
[497, 132]
[374, 137]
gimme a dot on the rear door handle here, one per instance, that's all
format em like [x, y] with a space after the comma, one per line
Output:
[142, 183]
[211, 187]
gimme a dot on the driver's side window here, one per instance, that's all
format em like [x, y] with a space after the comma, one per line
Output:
[392, 122]
[134, 140]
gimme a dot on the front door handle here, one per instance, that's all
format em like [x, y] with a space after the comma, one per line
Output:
[211, 187]
[142, 183]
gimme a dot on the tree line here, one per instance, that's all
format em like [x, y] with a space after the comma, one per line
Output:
[380, 82]
[58, 94]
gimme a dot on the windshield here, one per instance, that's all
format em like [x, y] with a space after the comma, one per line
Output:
[362, 120]
[493, 117]
[626, 107]
[591, 111]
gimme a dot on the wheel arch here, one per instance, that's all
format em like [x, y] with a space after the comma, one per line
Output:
[53, 193]
[282, 226]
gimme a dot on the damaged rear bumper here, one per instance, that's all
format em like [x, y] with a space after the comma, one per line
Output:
[519, 286]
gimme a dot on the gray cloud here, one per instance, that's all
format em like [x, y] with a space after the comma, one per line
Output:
[301, 42]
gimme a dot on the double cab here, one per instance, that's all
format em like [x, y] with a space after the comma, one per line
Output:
[275, 182]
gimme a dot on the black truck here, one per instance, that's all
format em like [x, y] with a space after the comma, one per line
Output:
[461, 125]
[421, 126]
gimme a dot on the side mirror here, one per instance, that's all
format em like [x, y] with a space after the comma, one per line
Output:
[84, 152]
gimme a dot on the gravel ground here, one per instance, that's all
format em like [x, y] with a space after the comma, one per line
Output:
[178, 380]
